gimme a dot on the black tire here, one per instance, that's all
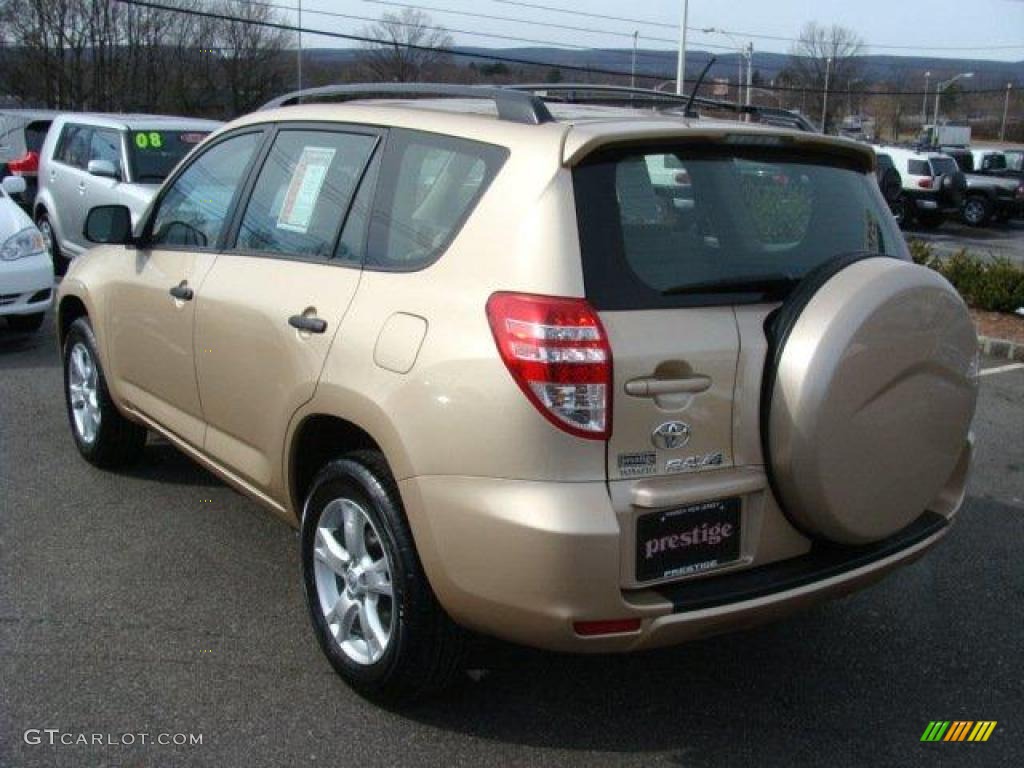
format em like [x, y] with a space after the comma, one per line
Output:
[902, 211]
[977, 211]
[26, 323]
[930, 219]
[60, 264]
[425, 647]
[117, 442]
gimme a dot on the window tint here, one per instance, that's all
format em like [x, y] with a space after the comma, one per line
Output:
[918, 168]
[994, 163]
[430, 185]
[74, 146]
[35, 135]
[194, 209]
[943, 165]
[106, 145]
[740, 218]
[303, 191]
[154, 154]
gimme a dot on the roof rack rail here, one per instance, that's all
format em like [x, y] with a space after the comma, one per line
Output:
[575, 93]
[513, 105]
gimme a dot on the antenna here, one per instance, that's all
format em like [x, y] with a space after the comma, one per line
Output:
[697, 85]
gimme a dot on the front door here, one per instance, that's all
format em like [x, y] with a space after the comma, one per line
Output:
[152, 304]
[272, 305]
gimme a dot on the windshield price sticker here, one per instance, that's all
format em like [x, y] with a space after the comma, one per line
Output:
[304, 189]
[149, 140]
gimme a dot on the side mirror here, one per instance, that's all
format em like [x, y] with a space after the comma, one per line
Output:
[14, 185]
[103, 168]
[109, 224]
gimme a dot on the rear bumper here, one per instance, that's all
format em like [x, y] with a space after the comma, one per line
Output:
[26, 285]
[524, 560]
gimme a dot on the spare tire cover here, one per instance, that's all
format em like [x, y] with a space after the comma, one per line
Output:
[873, 391]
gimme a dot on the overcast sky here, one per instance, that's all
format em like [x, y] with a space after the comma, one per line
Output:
[933, 25]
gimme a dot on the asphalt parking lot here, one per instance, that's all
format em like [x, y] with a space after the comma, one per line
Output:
[160, 601]
[1006, 239]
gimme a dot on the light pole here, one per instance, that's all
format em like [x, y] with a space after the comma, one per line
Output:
[1006, 111]
[299, 60]
[824, 100]
[681, 63]
[939, 88]
[750, 70]
[924, 104]
[632, 69]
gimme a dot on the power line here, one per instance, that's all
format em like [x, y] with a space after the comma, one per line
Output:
[754, 35]
[492, 57]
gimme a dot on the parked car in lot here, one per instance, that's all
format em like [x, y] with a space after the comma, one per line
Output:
[933, 186]
[471, 346]
[22, 133]
[97, 159]
[991, 194]
[26, 274]
[891, 184]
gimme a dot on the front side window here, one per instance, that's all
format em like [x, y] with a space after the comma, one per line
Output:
[746, 225]
[194, 210]
[303, 192]
[154, 154]
[943, 165]
[429, 186]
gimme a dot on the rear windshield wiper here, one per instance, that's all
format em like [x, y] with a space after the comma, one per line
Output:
[768, 284]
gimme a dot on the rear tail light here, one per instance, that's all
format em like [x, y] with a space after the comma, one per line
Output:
[557, 351]
[27, 163]
[924, 183]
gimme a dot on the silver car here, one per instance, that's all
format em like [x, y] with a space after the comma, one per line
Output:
[98, 159]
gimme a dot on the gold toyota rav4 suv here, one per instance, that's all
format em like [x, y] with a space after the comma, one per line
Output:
[579, 376]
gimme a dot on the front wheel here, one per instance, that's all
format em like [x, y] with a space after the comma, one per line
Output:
[26, 323]
[103, 436]
[374, 613]
[977, 211]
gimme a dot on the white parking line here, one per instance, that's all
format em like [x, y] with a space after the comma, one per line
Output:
[1001, 369]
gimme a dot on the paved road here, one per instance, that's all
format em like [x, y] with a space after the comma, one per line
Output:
[160, 601]
[995, 240]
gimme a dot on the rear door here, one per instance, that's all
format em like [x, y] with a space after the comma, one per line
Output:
[67, 181]
[273, 303]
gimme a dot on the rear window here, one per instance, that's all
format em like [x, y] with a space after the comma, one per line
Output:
[747, 225]
[153, 154]
[35, 135]
[943, 165]
[429, 186]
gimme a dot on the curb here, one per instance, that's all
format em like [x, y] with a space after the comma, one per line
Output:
[1001, 348]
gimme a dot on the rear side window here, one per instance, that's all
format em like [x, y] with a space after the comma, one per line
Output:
[303, 193]
[918, 168]
[74, 145]
[733, 225]
[429, 186]
[994, 163]
[106, 145]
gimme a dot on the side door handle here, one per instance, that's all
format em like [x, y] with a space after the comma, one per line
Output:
[182, 292]
[650, 386]
[307, 323]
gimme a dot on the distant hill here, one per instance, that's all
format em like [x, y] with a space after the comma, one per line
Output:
[662, 64]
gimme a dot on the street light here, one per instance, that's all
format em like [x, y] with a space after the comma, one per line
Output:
[924, 104]
[746, 52]
[632, 69]
[939, 88]
[1006, 110]
[824, 100]
[681, 63]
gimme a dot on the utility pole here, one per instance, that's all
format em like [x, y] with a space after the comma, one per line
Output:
[299, 60]
[681, 63]
[632, 69]
[1006, 111]
[750, 70]
[924, 104]
[824, 100]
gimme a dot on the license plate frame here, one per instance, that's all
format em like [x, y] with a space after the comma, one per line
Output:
[686, 540]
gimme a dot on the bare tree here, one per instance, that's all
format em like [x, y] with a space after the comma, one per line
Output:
[408, 47]
[819, 50]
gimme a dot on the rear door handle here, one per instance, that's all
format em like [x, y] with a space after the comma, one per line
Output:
[649, 386]
[307, 323]
[182, 292]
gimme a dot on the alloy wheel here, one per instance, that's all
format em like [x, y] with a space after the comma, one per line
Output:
[83, 393]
